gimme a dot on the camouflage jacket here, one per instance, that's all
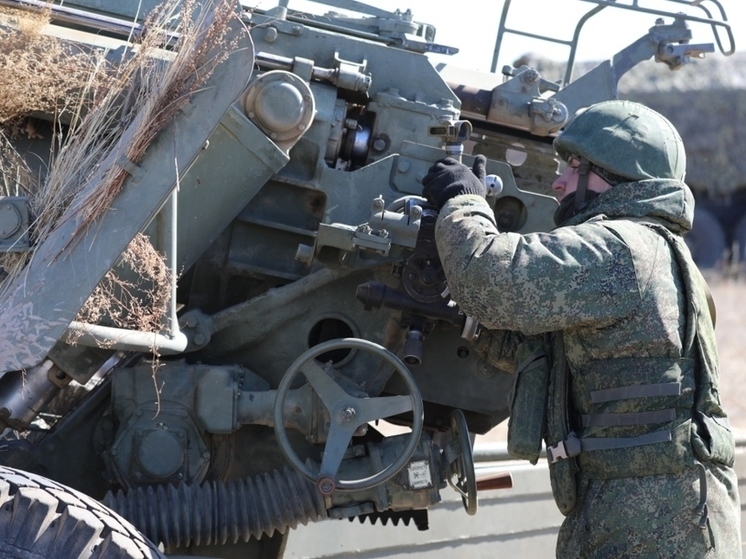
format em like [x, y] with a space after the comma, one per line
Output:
[610, 299]
[619, 283]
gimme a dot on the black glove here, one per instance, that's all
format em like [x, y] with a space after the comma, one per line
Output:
[448, 178]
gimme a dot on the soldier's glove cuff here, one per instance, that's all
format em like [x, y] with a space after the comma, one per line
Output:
[448, 178]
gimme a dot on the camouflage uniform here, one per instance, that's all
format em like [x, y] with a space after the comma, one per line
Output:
[611, 283]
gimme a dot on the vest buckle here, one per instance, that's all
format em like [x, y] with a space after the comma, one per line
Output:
[569, 448]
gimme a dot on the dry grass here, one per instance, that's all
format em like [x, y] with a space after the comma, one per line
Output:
[114, 112]
[16, 179]
[40, 73]
[160, 91]
[135, 296]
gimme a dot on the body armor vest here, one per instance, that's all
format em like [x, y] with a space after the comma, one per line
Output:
[631, 417]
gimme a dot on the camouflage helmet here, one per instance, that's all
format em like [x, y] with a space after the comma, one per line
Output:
[625, 138]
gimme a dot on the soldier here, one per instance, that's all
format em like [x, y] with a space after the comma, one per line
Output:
[608, 326]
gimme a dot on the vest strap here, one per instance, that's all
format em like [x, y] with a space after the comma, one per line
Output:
[572, 446]
[636, 391]
[625, 419]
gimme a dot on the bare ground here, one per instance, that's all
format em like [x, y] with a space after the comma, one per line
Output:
[729, 298]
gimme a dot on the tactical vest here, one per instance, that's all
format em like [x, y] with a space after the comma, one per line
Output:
[630, 417]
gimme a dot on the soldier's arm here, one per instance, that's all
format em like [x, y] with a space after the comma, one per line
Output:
[498, 347]
[534, 283]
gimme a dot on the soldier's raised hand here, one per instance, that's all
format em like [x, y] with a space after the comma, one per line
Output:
[448, 178]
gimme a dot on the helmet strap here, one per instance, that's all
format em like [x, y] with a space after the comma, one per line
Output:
[583, 170]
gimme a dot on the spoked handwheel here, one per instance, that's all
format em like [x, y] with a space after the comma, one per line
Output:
[347, 413]
[461, 475]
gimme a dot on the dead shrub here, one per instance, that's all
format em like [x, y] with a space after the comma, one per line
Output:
[141, 95]
[136, 295]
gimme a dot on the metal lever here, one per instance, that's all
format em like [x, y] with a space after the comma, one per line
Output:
[453, 133]
[675, 56]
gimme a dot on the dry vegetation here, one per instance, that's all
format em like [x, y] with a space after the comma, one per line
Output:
[136, 295]
[101, 113]
[40, 73]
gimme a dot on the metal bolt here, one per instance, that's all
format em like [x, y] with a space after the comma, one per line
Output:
[530, 76]
[379, 144]
[270, 35]
[347, 414]
[326, 485]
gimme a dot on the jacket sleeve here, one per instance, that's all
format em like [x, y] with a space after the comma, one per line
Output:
[499, 348]
[579, 276]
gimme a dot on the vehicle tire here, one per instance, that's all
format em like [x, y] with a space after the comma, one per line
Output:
[706, 240]
[42, 519]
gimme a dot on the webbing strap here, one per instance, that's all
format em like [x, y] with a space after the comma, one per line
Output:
[625, 419]
[572, 446]
[582, 187]
[637, 391]
[626, 442]
[537, 358]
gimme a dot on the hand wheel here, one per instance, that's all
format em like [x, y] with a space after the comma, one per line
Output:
[347, 413]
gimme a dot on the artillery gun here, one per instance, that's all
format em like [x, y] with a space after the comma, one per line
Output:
[306, 305]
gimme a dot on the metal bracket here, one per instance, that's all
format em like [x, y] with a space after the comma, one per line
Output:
[14, 224]
[383, 230]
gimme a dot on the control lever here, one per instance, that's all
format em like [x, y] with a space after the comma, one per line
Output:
[675, 56]
[453, 133]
